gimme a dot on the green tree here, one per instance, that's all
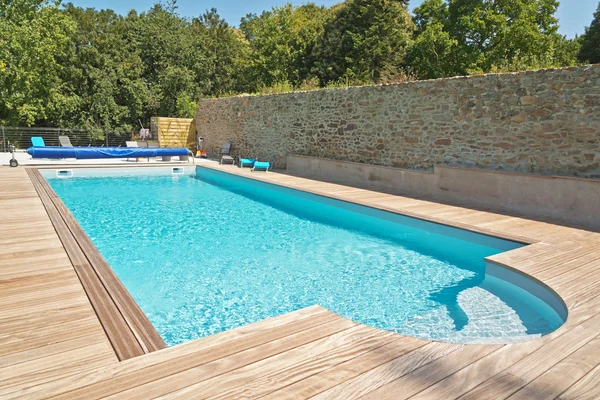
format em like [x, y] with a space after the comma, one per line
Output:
[33, 35]
[590, 42]
[166, 48]
[105, 72]
[566, 51]
[225, 51]
[430, 12]
[459, 37]
[281, 42]
[363, 41]
[431, 55]
[493, 33]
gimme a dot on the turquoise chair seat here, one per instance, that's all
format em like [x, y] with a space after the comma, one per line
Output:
[37, 141]
[262, 165]
[247, 162]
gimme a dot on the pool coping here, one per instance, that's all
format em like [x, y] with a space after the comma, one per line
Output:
[513, 259]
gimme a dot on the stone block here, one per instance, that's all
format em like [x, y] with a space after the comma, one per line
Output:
[528, 100]
[519, 118]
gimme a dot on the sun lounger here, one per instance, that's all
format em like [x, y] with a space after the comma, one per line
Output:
[37, 141]
[65, 141]
[130, 145]
[263, 165]
[225, 154]
[247, 162]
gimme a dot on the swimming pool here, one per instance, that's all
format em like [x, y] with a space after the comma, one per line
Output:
[202, 251]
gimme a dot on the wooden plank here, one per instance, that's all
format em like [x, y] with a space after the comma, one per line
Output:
[332, 368]
[17, 378]
[53, 348]
[19, 271]
[33, 338]
[578, 286]
[141, 376]
[562, 375]
[31, 283]
[565, 264]
[265, 384]
[226, 364]
[52, 254]
[389, 371]
[586, 388]
[18, 237]
[529, 368]
[421, 378]
[242, 376]
[44, 305]
[45, 318]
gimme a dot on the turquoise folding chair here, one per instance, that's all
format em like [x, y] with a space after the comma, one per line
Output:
[261, 165]
[38, 141]
[247, 162]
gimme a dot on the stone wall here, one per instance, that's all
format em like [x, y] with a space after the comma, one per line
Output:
[543, 122]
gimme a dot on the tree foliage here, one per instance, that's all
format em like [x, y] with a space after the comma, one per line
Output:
[433, 52]
[34, 37]
[62, 65]
[282, 42]
[363, 41]
[459, 37]
[590, 41]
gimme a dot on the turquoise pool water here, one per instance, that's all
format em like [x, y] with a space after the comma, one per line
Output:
[203, 254]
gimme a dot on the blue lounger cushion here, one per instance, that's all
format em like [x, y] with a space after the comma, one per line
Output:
[262, 165]
[244, 162]
[38, 141]
[82, 153]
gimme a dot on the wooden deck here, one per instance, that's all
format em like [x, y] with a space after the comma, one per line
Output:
[52, 343]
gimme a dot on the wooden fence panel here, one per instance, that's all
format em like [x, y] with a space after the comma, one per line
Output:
[174, 132]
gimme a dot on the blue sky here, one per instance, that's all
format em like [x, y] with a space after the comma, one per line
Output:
[573, 15]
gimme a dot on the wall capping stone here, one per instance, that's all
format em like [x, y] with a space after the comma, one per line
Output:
[458, 77]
